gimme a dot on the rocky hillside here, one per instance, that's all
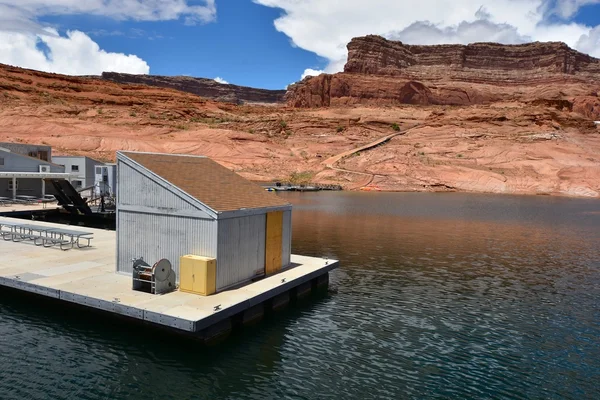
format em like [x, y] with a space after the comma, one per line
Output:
[518, 147]
[381, 71]
[208, 88]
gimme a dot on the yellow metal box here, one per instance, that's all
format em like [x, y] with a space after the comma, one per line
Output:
[198, 275]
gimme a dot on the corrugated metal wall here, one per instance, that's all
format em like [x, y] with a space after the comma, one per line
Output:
[241, 254]
[140, 190]
[161, 236]
[156, 236]
[238, 244]
[287, 238]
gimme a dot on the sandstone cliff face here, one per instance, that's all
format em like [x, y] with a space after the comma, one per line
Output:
[202, 87]
[381, 71]
[375, 55]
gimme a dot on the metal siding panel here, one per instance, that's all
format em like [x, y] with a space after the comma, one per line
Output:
[162, 236]
[90, 171]
[241, 250]
[141, 190]
[287, 238]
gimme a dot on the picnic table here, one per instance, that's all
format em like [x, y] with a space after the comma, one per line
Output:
[7, 229]
[27, 199]
[68, 237]
[45, 236]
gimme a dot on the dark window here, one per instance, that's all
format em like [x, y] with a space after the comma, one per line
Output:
[77, 184]
[10, 184]
[1, 161]
[75, 168]
[43, 155]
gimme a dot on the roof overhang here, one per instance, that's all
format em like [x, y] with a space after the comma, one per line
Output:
[246, 212]
[38, 175]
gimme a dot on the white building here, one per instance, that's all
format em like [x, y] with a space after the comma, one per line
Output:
[81, 168]
[169, 206]
[24, 175]
[105, 180]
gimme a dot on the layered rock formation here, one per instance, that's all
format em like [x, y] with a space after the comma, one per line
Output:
[381, 71]
[375, 55]
[208, 88]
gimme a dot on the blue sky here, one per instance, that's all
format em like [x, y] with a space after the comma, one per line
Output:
[265, 43]
[242, 46]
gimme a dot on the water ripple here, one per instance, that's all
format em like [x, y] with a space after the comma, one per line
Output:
[484, 297]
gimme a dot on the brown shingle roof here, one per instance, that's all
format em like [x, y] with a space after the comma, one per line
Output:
[209, 182]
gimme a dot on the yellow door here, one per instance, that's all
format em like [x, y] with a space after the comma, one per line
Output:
[186, 274]
[274, 242]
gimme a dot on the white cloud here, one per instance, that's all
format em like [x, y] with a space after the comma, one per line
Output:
[221, 80]
[324, 27]
[567, 8]
[590, 43]
[463, 33]
[73, 54]
[76, 53]
[312, 72]
[27, 11]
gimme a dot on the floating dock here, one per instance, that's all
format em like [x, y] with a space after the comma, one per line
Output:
[88, 277]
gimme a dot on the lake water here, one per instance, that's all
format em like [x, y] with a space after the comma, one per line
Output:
[438, 296]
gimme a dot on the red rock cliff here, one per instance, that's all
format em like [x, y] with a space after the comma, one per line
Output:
[375, 55]
[381, 71]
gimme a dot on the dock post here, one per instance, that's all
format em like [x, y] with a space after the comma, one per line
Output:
[279, 302]
[217, 332]
[253, 314]
[322, 282]
[303, 290]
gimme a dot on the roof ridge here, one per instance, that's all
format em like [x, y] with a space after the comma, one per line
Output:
[162, 154]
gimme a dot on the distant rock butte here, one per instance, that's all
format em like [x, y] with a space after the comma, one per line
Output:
[208, 88]
[381, 71]
[375, 55]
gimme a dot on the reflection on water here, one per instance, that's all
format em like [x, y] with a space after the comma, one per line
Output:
[438, 296]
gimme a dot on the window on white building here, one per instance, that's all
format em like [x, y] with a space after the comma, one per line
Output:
[74, 168]
[77, 184]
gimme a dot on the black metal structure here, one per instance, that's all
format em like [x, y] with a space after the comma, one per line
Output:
[68, 197]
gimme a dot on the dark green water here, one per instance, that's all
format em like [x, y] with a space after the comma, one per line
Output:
[439, 296]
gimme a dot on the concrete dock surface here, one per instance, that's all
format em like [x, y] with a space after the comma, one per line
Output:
[87, 277]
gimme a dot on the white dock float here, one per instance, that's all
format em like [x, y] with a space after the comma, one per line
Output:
[87, 277]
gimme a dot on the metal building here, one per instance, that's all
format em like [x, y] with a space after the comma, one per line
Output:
[22, 175]
[41, 152]
[169, 206]
[81, 167]
[105, 181]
